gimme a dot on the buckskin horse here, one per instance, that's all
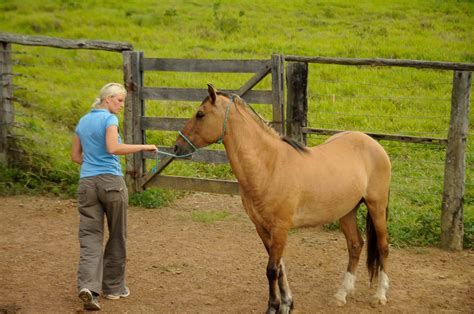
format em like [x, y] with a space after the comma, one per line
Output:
[284, 184]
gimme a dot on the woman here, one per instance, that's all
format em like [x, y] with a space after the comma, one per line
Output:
[102, 190]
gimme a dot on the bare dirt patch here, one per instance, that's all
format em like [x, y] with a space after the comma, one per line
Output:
[177, 264]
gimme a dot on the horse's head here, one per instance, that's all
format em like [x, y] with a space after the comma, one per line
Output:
[208, 124]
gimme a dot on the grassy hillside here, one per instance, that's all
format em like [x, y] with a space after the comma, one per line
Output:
[55, 87]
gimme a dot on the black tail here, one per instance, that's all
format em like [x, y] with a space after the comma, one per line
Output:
[373, 254]
[373, 260]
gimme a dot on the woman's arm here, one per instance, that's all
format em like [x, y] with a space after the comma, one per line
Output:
[116, 148]
[76, 150]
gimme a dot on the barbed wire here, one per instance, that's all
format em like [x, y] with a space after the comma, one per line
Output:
[378, 85]
[399, 132]
[12, 51]
[417, 178]
[395, 159]
[77, 83]
[13, 63]
[15, 74]
[380, 116]
[53, 63]
[417, 98]
[407, 191]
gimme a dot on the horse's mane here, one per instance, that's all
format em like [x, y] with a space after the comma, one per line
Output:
[243, 105]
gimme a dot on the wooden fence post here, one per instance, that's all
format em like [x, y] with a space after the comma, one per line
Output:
[6, 95]
[278, 92]
[132, 130]
[297, 100]
[452, 225]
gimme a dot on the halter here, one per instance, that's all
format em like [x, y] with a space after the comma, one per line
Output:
[195, 149]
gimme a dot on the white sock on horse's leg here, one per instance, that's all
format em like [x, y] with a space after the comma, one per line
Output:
[382, 287]
[348, 285]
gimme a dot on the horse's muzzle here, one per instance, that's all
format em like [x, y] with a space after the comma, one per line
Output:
[182, 149]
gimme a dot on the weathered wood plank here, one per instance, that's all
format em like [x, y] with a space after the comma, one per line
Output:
[64, 43]
[297, 100]
[278, 93]
[386, 137]
[254, 80]
[6, 105]
[194, 184]
[203, 65]
[163, 124]
[133, 134]
[386, 62]
[164, 162]
[452, 221]
[195, 94]
[202, 155]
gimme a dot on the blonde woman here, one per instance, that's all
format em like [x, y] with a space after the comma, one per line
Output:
[102, 192]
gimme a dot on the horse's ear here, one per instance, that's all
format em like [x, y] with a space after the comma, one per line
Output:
[212, 93]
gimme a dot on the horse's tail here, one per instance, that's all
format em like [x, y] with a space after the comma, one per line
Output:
[373, 254]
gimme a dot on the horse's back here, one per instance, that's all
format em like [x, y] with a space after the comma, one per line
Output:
[348, 167]
[364, 153]
[360, 144]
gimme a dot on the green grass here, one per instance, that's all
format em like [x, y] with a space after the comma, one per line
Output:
[210, 217]
[57, 86]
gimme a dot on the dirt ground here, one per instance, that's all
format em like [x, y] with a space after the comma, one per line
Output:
[178, 264]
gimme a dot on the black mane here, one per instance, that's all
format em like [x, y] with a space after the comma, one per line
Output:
[295, 144]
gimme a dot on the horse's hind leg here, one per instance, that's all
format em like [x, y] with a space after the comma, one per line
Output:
[354, 246]
[377, 246]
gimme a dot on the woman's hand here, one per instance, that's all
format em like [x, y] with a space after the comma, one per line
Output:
[151, 148]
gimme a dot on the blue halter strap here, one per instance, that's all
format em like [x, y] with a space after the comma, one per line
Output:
[195, 149]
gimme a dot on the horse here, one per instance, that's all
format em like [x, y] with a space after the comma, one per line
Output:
[284, 184]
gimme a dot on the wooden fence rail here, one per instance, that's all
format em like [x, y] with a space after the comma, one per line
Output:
[64, 43]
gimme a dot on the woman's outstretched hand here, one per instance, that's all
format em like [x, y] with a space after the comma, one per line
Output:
[151, 148]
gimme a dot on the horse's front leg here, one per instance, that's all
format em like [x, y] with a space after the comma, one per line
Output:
[276, 274]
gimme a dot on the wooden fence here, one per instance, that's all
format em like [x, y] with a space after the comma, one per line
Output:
[455, 164]
[136, 122]
[294, 124]
[7, 115]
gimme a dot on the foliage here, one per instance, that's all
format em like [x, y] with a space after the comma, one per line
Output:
[152, 198]
[56, 87]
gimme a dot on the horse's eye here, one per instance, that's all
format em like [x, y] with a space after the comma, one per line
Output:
[199, 114]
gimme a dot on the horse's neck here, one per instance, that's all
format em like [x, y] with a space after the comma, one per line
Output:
[249, 148]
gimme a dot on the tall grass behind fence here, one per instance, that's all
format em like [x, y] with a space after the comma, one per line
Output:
[52, 89]
[402, 101]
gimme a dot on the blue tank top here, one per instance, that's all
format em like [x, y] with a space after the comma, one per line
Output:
[91, 131]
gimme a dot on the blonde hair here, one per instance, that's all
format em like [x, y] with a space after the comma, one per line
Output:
[110, 89]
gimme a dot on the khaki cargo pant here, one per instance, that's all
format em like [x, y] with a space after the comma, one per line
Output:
[103, 194]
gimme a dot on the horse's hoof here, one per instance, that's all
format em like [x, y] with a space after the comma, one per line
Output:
[284, 309]
[338, 302]
[378, 301]
[271, 310]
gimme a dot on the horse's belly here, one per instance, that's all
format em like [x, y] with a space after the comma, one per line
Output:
[316, 212]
